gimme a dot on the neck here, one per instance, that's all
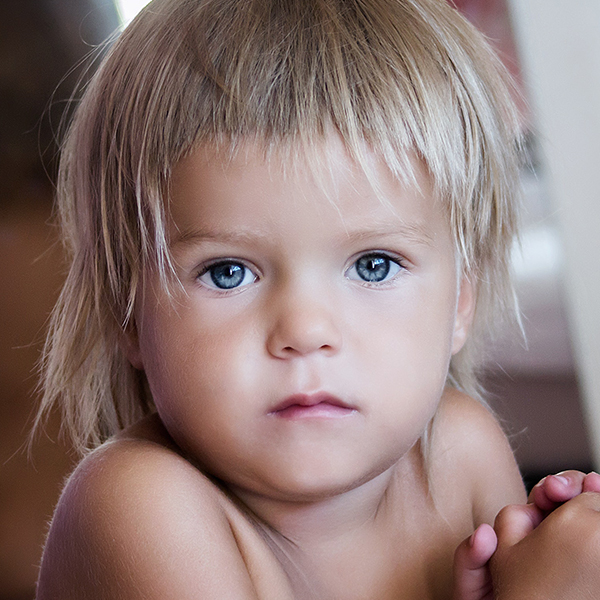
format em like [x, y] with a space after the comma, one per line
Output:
[334, 520]
[324, 521]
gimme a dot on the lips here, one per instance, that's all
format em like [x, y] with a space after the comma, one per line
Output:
[320, 404]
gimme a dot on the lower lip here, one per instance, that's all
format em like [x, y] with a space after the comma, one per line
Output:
[323, 410]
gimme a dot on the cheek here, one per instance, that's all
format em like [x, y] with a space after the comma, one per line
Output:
[408, 345]
[417, 324]
[164, 362]
[192, 362]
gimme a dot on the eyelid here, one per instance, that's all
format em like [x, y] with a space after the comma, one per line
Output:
[393, 256]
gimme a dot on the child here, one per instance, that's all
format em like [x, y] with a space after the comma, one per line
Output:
[290, 224]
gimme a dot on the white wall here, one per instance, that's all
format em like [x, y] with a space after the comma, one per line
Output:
[559, 42]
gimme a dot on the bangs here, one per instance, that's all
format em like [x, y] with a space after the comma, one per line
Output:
[396, 75]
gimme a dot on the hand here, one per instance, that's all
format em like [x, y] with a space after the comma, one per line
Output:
[551, 558]
[472, 577]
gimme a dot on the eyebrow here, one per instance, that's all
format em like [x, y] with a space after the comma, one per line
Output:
[413, 232]
[190, 237]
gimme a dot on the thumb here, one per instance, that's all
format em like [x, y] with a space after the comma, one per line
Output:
[515, 521]
[472, 580]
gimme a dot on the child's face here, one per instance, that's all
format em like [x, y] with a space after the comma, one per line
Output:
[312, 342]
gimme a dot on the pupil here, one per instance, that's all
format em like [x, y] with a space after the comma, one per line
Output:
[227, 275]
[373, 268]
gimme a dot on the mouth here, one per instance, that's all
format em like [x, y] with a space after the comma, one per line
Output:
[319, 405]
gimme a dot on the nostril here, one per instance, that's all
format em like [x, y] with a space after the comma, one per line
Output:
[292, 350]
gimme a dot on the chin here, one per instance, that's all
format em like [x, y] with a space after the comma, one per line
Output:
[311, 486]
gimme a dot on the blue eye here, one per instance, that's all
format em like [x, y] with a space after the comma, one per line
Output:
[374, 268]
[226, 275]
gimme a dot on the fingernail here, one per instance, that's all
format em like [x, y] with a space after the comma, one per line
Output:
[562, 479]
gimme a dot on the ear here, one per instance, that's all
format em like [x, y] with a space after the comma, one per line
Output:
[130, 345]
[465, 310]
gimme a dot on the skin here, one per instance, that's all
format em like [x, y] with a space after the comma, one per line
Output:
[222, 494]
[547, 548]
[564, 542]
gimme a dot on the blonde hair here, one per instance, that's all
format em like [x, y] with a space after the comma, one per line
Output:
[398, 75]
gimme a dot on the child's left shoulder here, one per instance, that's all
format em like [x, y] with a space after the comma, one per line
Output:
[470, 456]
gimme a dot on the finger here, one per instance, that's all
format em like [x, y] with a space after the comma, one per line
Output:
[472, 579]
[553, 490]
[516, 521]
[591, 483]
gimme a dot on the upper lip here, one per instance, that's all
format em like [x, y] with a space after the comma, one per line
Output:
[311, 399]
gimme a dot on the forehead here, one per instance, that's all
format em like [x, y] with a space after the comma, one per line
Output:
[216, 188]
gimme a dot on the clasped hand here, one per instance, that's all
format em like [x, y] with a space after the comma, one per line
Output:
[547, 549]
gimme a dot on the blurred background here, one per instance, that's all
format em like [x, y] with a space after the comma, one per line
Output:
[546, 389]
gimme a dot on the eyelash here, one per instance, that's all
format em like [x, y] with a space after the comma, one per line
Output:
[381, 263]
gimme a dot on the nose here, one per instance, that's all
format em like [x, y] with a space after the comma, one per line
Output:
[303, 325]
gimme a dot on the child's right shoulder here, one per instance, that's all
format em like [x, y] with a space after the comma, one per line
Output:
[138, 520]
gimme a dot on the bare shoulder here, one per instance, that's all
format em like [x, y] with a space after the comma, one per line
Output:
[471, 455]
[137, 520]
[462, 422]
